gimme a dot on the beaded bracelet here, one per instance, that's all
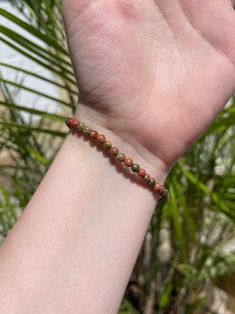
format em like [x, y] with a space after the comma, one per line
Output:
[75, 125]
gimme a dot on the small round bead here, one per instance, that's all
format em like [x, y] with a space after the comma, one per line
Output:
[164, 195]
[81, 126]
[147, 178]
[72, 123]
[152, 182]
[135, 168]
[107, 145]
[157, 187]
[87, 131]
[114, 151]
[94, 134]
[162, 189]
[101, 138]
[128, 162]
[142, 173]
[121, 157]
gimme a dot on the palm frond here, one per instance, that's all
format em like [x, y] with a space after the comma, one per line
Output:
[184, 253]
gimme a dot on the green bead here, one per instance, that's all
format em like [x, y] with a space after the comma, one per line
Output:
[107, 145]
[146, 178]
[81, 126]
[152, 182]
[114, 151]
[121, 157]
[87, 130]
[135, 167]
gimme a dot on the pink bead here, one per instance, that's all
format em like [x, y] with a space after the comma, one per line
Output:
[72, 123]
[157, 187]
[142, 173]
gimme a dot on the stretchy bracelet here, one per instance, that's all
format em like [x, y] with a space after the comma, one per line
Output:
[77, 126]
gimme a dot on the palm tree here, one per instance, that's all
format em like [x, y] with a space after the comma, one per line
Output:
[189, 247]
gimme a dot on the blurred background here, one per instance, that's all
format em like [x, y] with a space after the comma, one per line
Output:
[187, 262]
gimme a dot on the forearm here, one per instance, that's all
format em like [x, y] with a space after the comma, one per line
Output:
[74, 247]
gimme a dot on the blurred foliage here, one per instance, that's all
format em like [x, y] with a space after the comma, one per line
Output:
[191, 240]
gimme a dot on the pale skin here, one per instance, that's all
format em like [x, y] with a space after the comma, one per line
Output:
[152, 75]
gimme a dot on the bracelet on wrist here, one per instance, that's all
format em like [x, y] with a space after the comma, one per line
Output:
[77, 126]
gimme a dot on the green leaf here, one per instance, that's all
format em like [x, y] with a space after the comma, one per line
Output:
[43, 78]
[41, 113]
[187, 217]
[127, 308]
[7, 198]
[38, 61]
[177, 222]
[34, 91]
[36, 49]
[38, 156]
[200, 185]
[195, 305]
[32, 30]
[32, 129]
[165, 296]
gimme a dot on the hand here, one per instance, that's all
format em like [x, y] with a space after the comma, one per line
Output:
[155, 73]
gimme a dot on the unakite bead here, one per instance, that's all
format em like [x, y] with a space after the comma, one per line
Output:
[135, 168]
[81, 126]
[147, 178]
[107, 145]
[162, 189]
[152, 182]
[71, 123]
[114, 151]
[94, 134]
[142, 173]
[121, 157]
[128, 162]
[157, 187]
[101, 138]
[164, 196]
[87, 131]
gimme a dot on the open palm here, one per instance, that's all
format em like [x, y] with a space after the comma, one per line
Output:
[154, 72]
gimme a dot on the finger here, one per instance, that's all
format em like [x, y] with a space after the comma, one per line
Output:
[73, 8]
[220, 32]
[214, 22]
[226, 40]
[72, 5]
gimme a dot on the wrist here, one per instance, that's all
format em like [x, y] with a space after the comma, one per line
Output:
[130, 147]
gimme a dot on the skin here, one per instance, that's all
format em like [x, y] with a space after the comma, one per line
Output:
[154, 72]
[152, 76]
